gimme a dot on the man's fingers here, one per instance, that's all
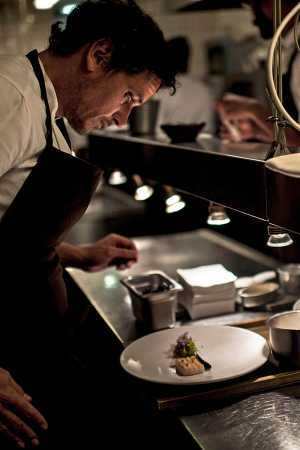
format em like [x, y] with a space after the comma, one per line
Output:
[123, 241]
[122, 258]
[126, 265]
[26, 410]
[11, 436]
[17, 387]
[123, 253]
[18, 427]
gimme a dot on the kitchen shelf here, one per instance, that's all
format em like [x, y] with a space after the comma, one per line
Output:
[230, 174]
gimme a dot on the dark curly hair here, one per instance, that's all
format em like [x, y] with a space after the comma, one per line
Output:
[138, 44]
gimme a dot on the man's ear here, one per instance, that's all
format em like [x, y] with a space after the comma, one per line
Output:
[98, 55]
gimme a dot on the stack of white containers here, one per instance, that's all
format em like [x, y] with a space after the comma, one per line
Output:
[208, 290]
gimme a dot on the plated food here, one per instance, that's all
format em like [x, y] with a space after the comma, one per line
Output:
[150, 357]
[187, 360]
[188, 366]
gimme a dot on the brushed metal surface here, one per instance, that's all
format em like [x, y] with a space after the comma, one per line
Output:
[267, 421]
[165, 253]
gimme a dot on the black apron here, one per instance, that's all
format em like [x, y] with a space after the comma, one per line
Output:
[34, 298]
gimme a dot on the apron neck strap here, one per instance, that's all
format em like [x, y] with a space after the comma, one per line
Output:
[34, 60]
[61, 125]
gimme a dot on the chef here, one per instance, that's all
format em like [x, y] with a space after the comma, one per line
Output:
[248, 114]
[109, 58]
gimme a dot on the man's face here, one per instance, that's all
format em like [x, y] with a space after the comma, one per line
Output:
[108, 99]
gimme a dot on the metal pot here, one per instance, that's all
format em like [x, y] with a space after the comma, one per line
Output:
[289, 278]
[284, 336]
[154, 298]
[142, 120]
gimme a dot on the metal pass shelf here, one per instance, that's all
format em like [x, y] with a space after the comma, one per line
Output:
[231, 174]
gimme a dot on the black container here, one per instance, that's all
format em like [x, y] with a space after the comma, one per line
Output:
[182, 132]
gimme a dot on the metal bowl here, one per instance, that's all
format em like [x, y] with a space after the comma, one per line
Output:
[284, 336]
[289, 278]
[258, 294]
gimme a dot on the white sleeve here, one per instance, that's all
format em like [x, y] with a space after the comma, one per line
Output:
[207, 110]
[295, 83]
[15, 126]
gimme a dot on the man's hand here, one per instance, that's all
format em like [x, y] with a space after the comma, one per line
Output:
[20, 421]
[113, 250]
[245, 114]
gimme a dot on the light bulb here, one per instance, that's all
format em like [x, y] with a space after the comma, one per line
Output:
[67, 9]
[278, 237]
[116, 178]
[172, 199]
[217, 215]
[44, 4]
[143, 192]
[175, 207]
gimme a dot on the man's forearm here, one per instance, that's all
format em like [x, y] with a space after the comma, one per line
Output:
[70, 255]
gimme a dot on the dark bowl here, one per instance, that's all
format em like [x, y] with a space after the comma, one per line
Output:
[182, 132]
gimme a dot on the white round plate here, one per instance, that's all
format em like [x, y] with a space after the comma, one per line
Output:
[231, 351]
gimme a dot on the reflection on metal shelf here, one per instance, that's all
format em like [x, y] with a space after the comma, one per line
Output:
[230, 174]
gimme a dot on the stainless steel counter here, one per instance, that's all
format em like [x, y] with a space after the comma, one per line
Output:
[166, 253]
[269, 421]
[266, 421]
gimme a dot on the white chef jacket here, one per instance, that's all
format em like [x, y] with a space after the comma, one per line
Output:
[288, 47]
[22, 124]
[192, 103]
